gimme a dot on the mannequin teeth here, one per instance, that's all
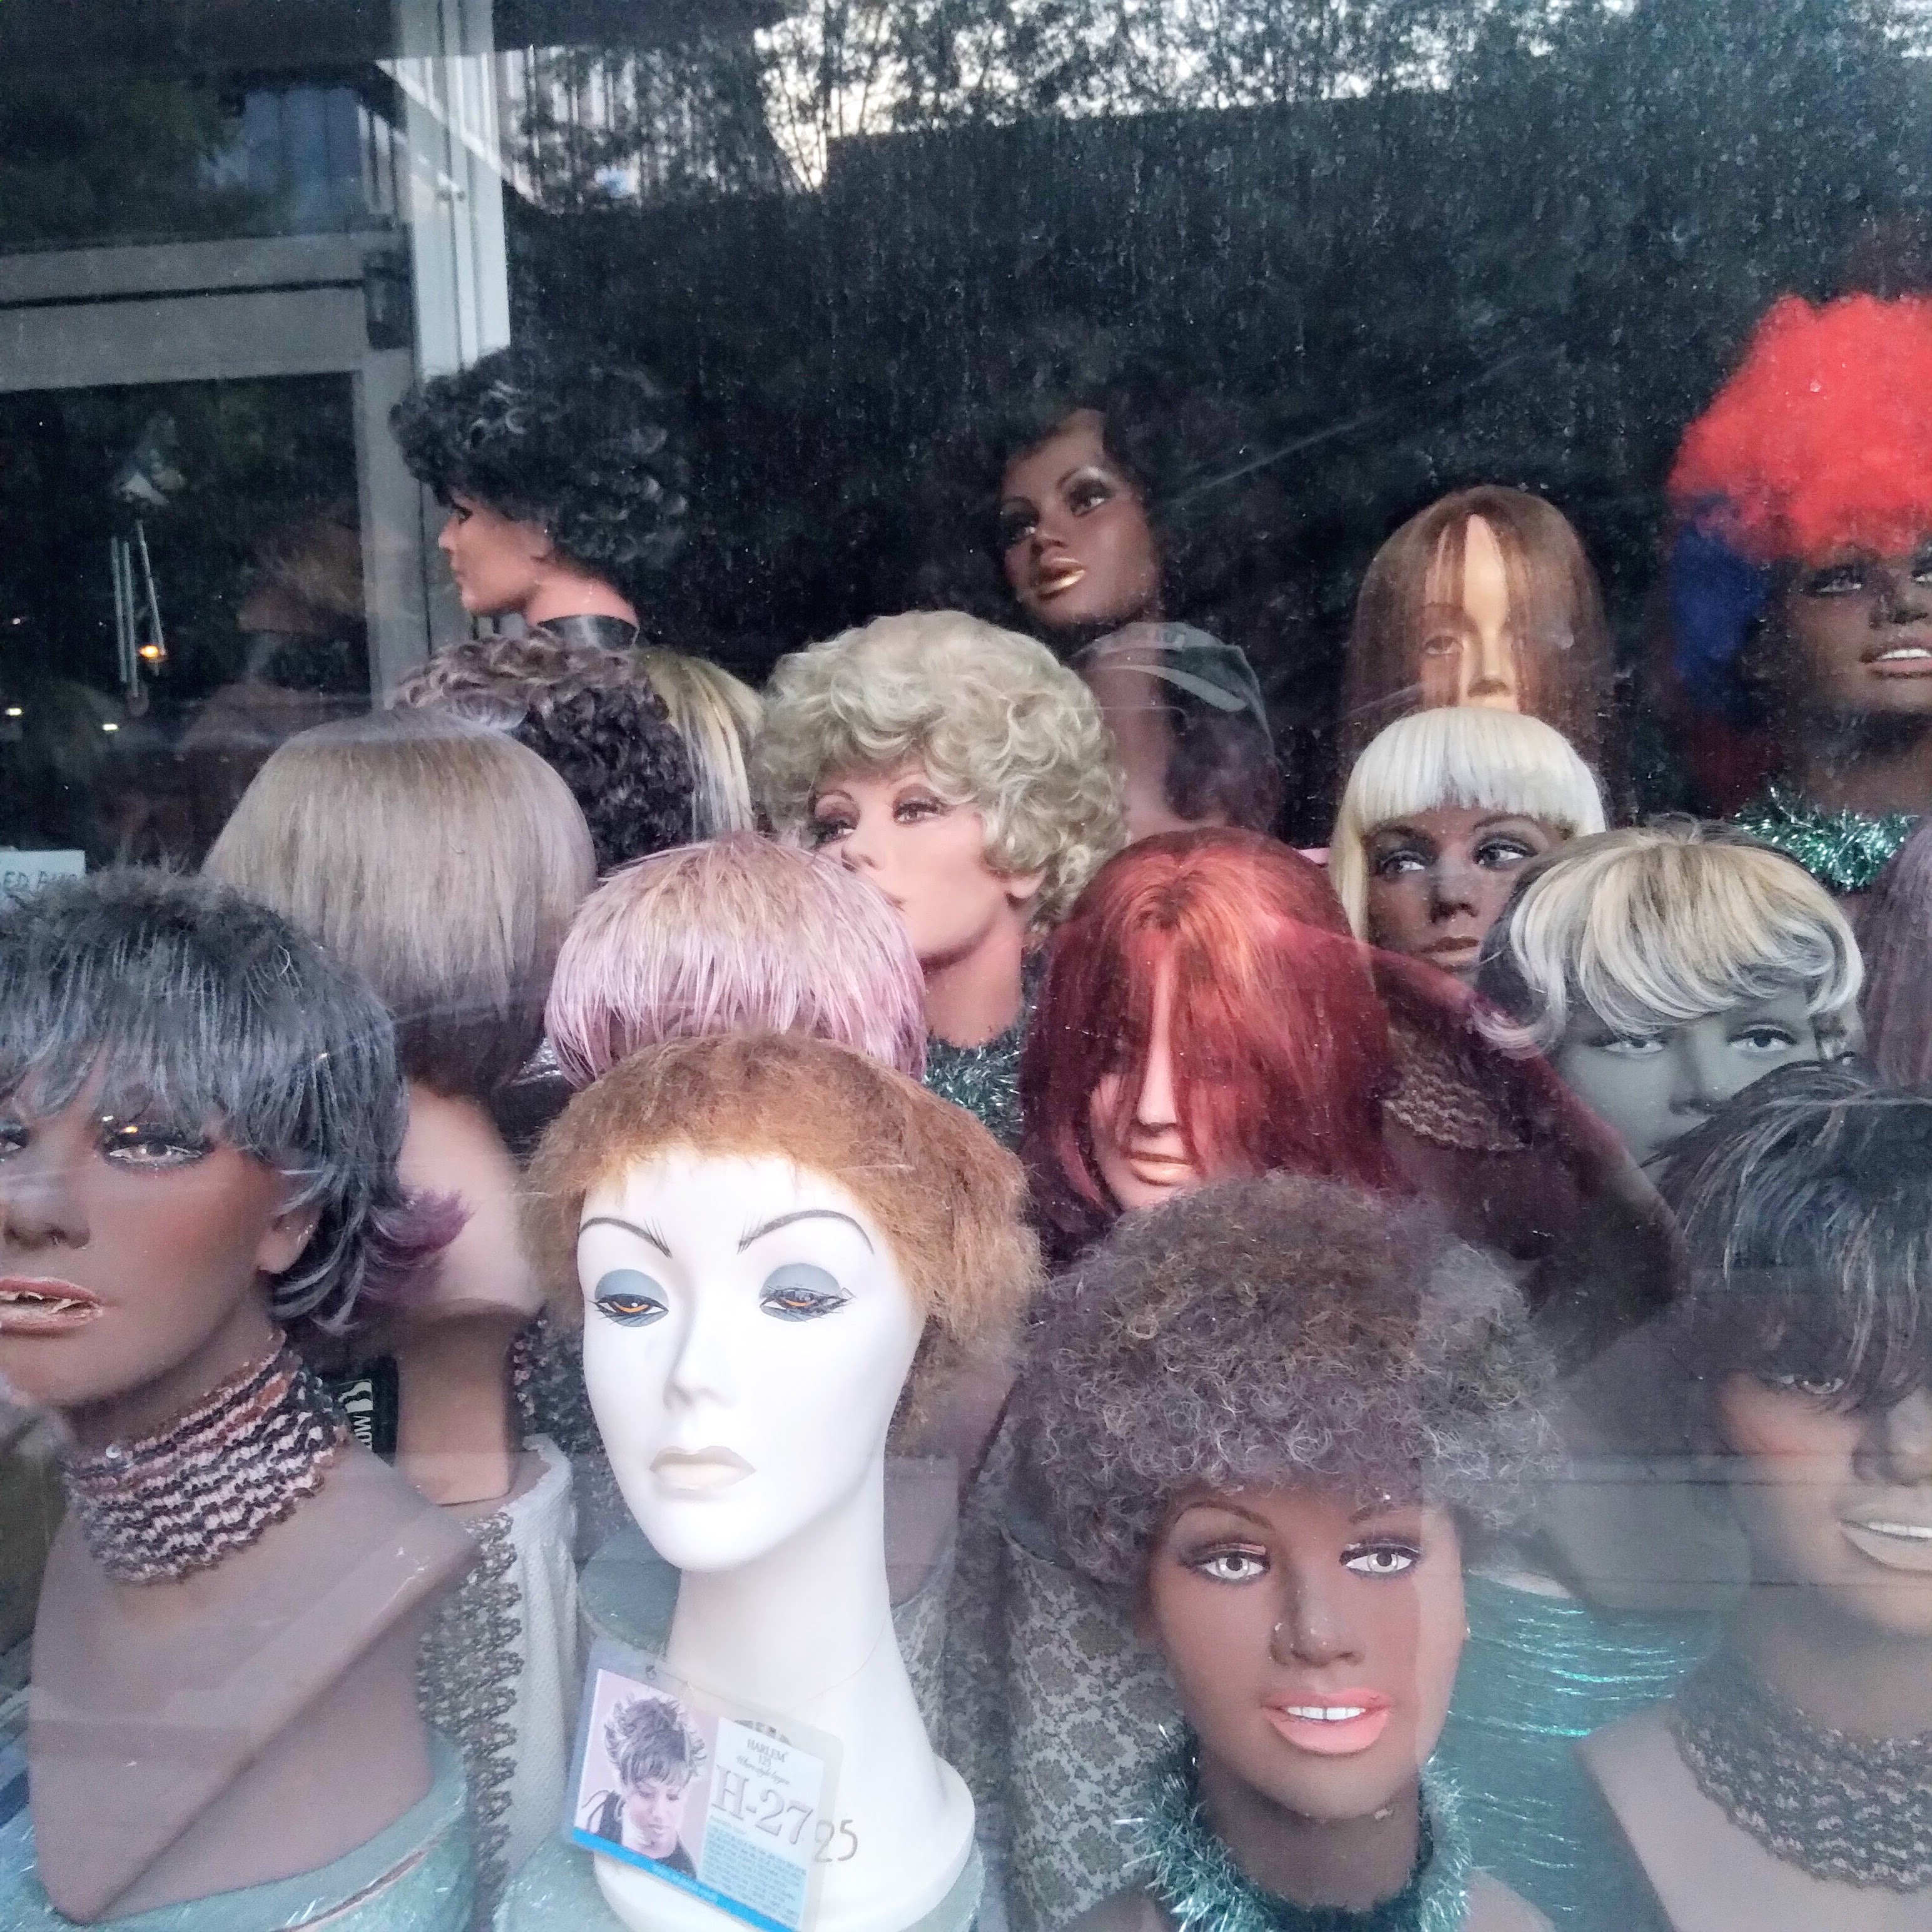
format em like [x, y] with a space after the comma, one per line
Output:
[1908, 1532]
[1328, 1713]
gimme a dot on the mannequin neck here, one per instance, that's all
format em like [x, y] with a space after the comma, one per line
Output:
[976, 995]
[566, 592]
[1839, 1669]
[1876, 765]
[244, 1336]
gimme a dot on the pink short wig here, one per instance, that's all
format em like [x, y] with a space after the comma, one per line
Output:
[738, 934]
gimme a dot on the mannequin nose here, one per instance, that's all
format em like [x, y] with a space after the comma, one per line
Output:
[39, 1206]
[1155, 1107]
[858, 849]
[701, 1369]
[1452, 888]
[1489, 670]
[445, 538]
[1697, 1082]
[1897, 1447]
[1905, 600]
[1312, 1629]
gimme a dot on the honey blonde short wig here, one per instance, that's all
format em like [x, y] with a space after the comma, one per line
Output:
[1661, 926]
[996, 720]
[947, 1197]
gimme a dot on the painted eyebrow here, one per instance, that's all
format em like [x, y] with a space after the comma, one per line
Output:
[764, 1227]
[648, 1234]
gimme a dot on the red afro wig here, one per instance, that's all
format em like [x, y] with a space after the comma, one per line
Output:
[1822, 438]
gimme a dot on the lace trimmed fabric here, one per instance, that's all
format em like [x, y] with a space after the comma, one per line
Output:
[1854, 1810]
[1844, 851]
[163, 1506]
[1191, 1873]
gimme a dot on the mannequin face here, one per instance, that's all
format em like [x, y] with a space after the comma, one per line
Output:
[499, 565]
[127, 1248]
[1150, 1163]
[1470, 646]
[1075, 541]
[927, 856]
[1860, 631]
[1839, 1505]
[1438, 880]
[1313, 1644]
[1131, 699]
[653, 1812]
[1655, 1089]
[746, 1333]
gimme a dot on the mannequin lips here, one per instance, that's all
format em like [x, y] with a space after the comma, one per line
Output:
[699, 1472]
[1909, 658]
[1055, 576]
[1898, 1542]
[1456, 946]
[1332, 1723]
[30, 1306]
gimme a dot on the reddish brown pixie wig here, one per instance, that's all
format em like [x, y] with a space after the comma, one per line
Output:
[1823, 437]
[1280, 1049]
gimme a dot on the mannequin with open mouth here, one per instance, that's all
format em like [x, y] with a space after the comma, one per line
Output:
[1801, 577]
[1788, 1783]
[198, 1144]
[774, 1237]
[1243, 1422]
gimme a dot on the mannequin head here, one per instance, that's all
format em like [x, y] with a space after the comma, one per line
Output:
[442, 860]
[1440, 813]
[1266, 1414]
[201, 1124]
[1895, 935]
[766, 1236]
[1203, 1013]
[1189, 721]
[1486, 599]
[1663, 968]
[559, 475]
[739, 934]
[957, 766]
[1806, 1208]
[590, 714]
[1802, 576]
[718, 716]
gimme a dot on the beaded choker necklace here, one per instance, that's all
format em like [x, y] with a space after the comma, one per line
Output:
[1856, 1810]
[1190, 1871]
[163, 1506]
[1844, 851]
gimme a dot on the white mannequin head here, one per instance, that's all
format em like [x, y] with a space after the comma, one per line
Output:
[746, 1335]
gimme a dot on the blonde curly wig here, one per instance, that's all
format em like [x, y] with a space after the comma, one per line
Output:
[998, 722]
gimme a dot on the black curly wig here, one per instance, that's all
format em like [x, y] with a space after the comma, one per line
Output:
[584, 449]
[591, 715]
[1276, 1330]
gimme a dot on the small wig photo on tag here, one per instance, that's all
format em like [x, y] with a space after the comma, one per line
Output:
[728, 1804]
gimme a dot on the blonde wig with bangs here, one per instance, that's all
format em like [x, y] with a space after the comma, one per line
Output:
[1662, 924]
[1471, 756]
[998, 722]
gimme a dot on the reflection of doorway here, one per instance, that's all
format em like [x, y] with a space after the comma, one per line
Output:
[254, 542]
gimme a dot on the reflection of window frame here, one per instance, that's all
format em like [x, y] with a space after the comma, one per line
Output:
[209, 311]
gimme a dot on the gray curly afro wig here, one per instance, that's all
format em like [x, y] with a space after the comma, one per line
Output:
[1276, 1330]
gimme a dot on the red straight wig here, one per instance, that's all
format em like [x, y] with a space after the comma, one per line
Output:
[1280, 1049]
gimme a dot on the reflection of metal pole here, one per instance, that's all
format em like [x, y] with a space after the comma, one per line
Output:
[132, 650]
[127, 666]
[154, 652]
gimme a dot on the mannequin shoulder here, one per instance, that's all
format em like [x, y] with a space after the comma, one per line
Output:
[366, 1513]
[1125, 1912]
[1493, 1907]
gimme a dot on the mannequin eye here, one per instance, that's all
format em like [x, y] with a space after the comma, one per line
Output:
[1237, 1565]
[1382, 1559]
[1633, 1046]
[1921, 564]
[1442, 644]
[799, 1292]
[1399, 863]
[137, 1144]
[1764, 1038]
[1818, 1388]
[1498, 853]
[1088, 493]
[916, 806]
[628, 1297]
[13, 1136]
[1837, 579]
[831, 825]
[1016, 524]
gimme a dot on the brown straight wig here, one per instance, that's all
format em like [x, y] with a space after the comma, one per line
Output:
[949, 1199]
[1562, 638]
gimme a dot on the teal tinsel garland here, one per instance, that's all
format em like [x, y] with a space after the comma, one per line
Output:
[1844, 851]
[1190, 1871]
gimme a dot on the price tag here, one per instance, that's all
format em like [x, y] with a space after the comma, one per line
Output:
[733, 1805]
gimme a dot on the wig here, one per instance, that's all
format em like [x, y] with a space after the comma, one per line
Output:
[946, 1195]
[1279, 1046]
[718, 716]
[739, 934]
[582, 449]
[649, 1740]
[1895, 933]
[442, 859]
[1471, 755]
[1821, 440]
[998, 723]
[1806, 1206]
[1660, 925]
[591, 715]
[198, 1008]
[1556, 607]
[1278, 1330]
